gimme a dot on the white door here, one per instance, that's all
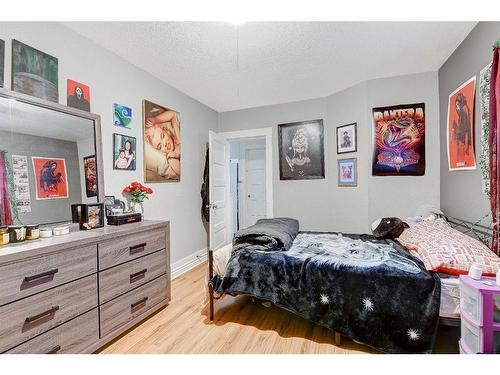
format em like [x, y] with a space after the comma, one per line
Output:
[255, 185]
[218, 155]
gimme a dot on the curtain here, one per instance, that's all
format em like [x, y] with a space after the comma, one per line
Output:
[5, 210]
[494, 146]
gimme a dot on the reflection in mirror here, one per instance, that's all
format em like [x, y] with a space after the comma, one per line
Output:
[46, 156]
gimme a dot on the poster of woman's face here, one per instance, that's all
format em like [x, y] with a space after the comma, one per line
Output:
[460, 130]
[162, 143]
[301, 150]
[124, 152]
[346, 139]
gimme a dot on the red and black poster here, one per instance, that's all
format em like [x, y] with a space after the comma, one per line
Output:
[399, 145]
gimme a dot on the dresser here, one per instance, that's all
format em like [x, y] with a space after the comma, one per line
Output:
[77, 292]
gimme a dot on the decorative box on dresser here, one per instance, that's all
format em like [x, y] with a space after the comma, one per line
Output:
[75, 293]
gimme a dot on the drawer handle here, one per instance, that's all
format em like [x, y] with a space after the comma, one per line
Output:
[138, 275]
[137, 248]
[54, 350]
[43, 275]
[34, 318]
[141, 302]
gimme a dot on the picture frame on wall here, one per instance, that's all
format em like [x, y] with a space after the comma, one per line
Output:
[347, 138]
[347, 172]
[124, 152]
[162, 143]
[301, 150]
[78, 95]
[34, 72]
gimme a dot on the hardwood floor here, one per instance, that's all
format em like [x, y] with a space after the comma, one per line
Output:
[241, 326]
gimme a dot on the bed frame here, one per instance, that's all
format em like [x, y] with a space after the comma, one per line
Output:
[482, 232]
[479, 231]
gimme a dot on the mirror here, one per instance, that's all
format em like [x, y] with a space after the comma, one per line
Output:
[51, 158]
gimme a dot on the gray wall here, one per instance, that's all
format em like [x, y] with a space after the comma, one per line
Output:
[461, 191]
[321, 204]
[400, 196]
[307, 200]
[114, 80]
[48, 210]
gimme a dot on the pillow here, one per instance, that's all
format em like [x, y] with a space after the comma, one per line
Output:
[444, 249]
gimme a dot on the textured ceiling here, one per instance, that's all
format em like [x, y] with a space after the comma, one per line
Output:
[230, 67]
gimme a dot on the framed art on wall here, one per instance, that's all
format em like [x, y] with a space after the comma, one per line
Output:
[51, 178]
[124, 152]
[399, 140]
[162, 143]
[347, 138]
[34, 72]
[78, 95]
[301, 150]
[122, 116]
[460, 127]
[347, 172]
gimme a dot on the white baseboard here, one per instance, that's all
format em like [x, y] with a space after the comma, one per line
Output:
[185, 264]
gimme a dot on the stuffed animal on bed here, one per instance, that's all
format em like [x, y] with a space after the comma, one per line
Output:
[388, 227]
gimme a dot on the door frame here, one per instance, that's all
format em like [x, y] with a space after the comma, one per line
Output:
[252, 133]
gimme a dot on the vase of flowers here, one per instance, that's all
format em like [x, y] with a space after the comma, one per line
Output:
[137, 193]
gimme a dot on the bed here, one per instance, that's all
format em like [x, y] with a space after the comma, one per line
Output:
[372, 291]
[335, 280]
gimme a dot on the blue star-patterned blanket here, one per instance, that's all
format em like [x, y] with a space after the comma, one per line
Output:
[370, 290]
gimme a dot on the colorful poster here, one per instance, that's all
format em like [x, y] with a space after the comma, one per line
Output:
[484, 102]
[460, 127]
[399, 145]
[51, 178]
[122, 116]
[162, 143]
[90, 172]
[22, 183]
[78, 95]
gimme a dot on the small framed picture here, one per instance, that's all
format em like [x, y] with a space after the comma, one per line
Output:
[348, 172]
[124, 152]
[347, 138]
[92, 216]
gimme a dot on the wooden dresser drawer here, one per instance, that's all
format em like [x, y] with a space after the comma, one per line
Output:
[120, 279]
[74, 336]
[27, 277]
[29, 317]
[125, 248]
[135, 303]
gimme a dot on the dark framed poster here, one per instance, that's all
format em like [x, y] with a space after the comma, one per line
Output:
[301, 150]
[399, 140]
[90, 172]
